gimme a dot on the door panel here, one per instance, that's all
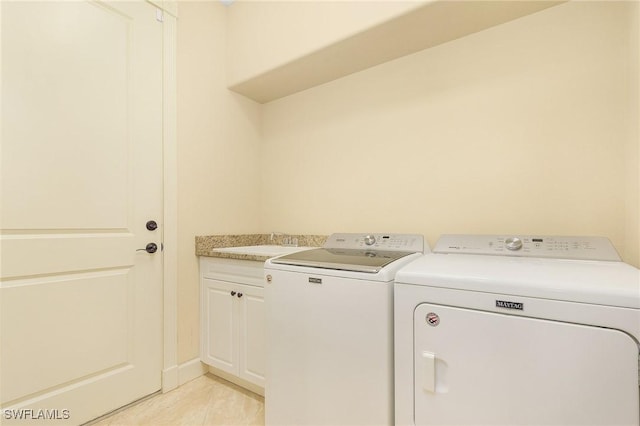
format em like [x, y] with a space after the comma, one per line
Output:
[81, 174]
[66, 96]
[49, 333]
[477, 367]
[27, 254]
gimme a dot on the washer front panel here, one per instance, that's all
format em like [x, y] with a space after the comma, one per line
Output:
[330, 353]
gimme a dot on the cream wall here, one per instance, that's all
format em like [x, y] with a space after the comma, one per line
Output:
[218, 148]
[528, 127]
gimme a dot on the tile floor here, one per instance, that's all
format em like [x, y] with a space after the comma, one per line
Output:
[205, 401]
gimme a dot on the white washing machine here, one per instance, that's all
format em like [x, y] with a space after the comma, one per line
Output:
[497, 330]
[329, 314]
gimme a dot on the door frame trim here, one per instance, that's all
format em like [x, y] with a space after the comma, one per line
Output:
[170, 204]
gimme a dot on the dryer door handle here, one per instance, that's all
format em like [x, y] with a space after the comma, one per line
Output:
[429, 366]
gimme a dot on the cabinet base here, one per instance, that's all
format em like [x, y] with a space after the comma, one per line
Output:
[237, 380]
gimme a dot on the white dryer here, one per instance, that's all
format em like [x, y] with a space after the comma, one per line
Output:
[329, 315]
[497, 330]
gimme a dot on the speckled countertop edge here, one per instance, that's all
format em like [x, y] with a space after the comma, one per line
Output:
[206, 244]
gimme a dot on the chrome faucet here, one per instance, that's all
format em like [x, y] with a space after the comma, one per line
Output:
[274, 234]
[287, 240]
[290, 241]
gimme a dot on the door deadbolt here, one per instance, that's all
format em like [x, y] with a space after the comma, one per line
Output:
[152, 225]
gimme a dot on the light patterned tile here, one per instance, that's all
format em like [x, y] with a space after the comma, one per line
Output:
[205, 401]
[239, 407]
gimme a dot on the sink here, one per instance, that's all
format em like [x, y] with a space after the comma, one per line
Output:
[266, 250]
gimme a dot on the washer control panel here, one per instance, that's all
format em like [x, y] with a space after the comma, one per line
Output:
[387, 242]
[583, 248]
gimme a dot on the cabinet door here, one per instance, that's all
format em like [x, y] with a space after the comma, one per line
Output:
[219, 346]
[252, 331]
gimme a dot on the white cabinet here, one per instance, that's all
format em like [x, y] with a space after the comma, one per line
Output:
[232, 318]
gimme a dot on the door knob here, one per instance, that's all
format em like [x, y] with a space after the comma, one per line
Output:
[150, 248]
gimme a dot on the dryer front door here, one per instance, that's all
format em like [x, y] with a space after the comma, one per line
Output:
[475, 367]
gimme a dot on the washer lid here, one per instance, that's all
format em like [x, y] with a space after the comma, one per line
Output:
[368, 261]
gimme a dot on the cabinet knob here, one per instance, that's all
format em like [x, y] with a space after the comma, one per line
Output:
[239, 294]
[233, 293]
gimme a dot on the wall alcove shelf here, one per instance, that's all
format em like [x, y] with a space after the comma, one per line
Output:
[429, 25]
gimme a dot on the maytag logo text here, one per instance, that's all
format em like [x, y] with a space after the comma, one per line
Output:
[509, 305]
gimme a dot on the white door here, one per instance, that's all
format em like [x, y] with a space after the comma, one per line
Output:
[475, 367]
[81, 175]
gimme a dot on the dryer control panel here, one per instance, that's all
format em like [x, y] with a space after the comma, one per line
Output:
[558, 247]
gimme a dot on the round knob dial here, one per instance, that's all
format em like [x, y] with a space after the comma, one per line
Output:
[369, 240]
[513, 243]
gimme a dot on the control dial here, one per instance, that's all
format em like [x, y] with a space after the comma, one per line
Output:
[513, 243]
[369, 240]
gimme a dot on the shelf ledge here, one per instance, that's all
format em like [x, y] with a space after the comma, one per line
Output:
[434, 23]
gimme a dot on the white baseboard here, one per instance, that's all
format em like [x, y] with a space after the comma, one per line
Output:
[169, 379]
[191, 370]
[178, 375]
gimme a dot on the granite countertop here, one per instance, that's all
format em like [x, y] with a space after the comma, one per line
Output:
[206, 244]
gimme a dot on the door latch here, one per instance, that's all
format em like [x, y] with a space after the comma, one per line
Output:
[150, 248]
